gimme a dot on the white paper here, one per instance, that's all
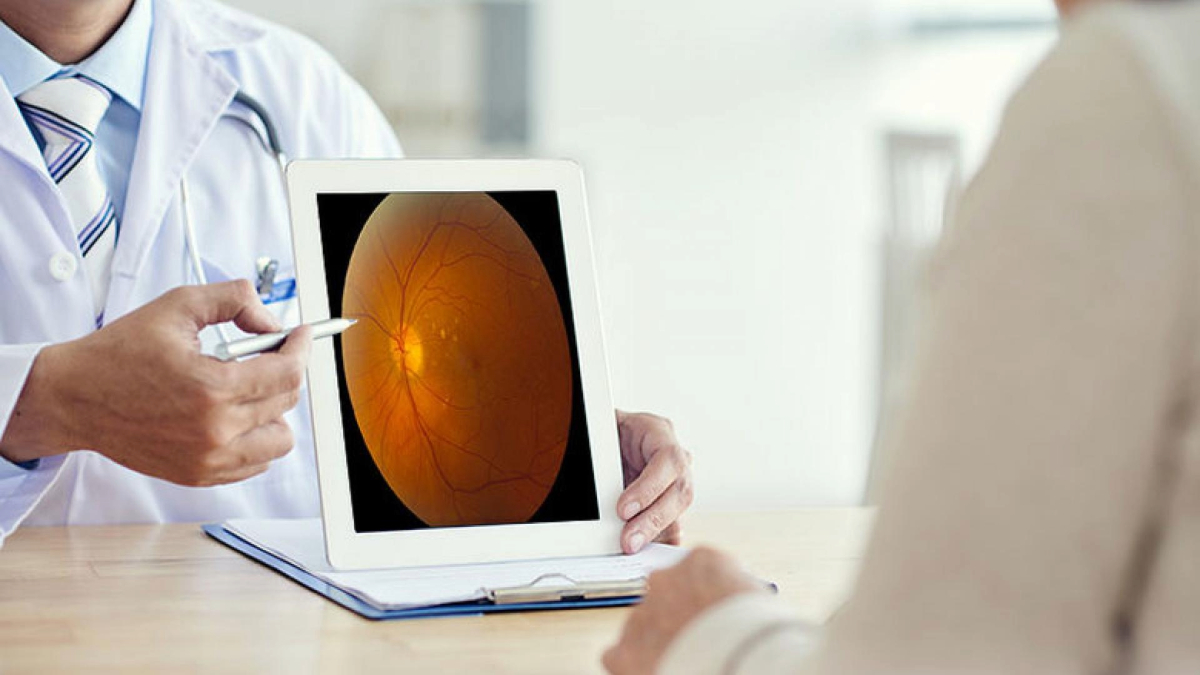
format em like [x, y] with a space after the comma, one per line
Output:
[302, 543]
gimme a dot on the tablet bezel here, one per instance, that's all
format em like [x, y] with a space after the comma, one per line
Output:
[348, 549]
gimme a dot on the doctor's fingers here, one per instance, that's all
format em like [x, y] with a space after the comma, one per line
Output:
[244, 474]
[250, 454]
[233, 301]
[272, 374]
[254, 414]
[669, 463]
[643, 434]
[672, 535]
[660, 517]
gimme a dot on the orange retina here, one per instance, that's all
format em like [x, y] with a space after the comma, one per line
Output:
[459, 369]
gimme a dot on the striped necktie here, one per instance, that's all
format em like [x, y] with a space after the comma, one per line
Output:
[66, 111]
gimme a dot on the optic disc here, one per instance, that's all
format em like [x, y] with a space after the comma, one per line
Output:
[407, 353]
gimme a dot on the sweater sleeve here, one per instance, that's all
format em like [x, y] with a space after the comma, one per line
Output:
[747, 633]
[1044, 401]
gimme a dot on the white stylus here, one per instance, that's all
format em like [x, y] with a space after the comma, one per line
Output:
[260, 343]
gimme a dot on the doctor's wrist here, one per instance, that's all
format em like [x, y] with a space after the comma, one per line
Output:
[40, 426]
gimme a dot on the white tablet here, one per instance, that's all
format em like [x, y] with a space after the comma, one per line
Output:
[466, 416]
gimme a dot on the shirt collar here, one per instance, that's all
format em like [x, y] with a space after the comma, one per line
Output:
[22, 66]
[119, 64]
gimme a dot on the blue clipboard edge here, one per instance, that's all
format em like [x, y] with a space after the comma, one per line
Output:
[337, 595]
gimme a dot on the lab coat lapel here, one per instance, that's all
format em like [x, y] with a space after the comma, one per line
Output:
[186, 93]
[15, 137]
[17, 141]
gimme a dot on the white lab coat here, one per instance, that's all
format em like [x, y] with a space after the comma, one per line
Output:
[201, 54]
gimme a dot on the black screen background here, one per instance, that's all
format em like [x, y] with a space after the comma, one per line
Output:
[375, 507]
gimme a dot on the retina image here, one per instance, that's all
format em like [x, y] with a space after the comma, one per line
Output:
[459, 383]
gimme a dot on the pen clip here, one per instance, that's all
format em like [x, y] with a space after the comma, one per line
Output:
[266, 268]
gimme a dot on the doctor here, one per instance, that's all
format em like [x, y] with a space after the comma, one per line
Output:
[108, 410]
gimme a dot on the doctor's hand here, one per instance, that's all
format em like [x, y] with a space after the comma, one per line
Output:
[140, 392]
[658, 479]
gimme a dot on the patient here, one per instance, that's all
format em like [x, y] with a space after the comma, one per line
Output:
[1042, 512]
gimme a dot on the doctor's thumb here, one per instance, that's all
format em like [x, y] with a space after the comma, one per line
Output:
[233, 301]
[299, 342]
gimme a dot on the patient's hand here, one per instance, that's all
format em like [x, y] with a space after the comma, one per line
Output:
[674, 598]
[658, 479]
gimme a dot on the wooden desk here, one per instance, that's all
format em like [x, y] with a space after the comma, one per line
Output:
[167, 598]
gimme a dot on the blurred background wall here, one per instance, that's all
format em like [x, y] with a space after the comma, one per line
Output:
[765, 180]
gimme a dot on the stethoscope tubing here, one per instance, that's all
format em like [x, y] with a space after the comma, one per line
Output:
[271, 145]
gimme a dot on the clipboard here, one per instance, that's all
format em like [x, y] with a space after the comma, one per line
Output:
[519, 599]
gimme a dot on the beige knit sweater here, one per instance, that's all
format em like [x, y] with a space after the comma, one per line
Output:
[1042, 510]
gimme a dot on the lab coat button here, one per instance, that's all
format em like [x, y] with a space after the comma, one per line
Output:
[62, 266]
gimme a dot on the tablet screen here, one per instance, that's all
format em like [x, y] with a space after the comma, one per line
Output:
[459, 384]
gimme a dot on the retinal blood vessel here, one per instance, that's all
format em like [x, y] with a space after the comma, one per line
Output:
[459, 369]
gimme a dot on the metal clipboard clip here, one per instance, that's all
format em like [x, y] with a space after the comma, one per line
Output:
[572, 590]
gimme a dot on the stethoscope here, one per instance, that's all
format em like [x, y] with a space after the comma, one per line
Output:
[265, 267]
